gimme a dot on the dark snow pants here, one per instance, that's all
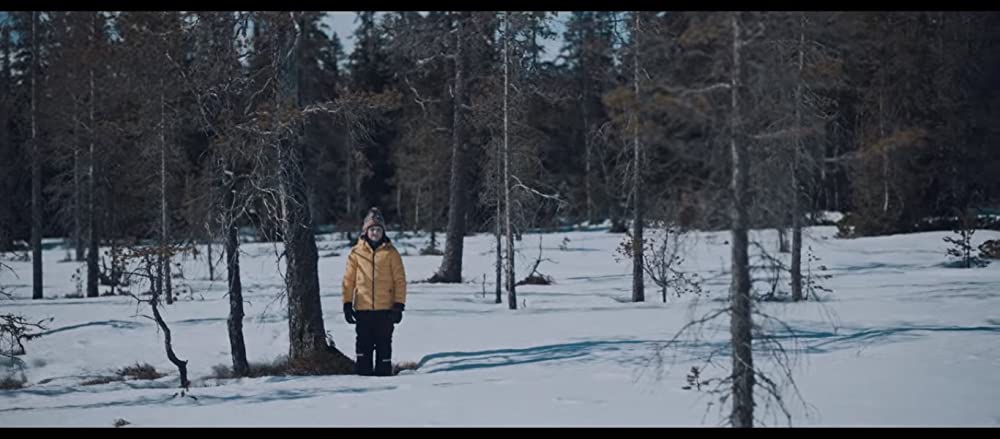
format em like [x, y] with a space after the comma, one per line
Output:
[374, 333]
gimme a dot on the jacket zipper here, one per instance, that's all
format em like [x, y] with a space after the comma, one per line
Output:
[373, 277]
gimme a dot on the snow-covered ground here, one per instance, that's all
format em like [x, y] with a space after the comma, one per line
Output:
[902, 340]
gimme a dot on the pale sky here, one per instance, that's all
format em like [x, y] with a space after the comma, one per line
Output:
[342, 22]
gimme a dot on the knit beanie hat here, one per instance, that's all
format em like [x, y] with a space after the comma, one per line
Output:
[374, 218]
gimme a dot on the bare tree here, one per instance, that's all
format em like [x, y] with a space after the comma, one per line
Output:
[235, 321]
[92, 236]
[502, 186]
[231, 152]
[739, 295]
[796, 213]
[663, 253]
[164, 261]
[36, 167]
[6, 143]
[514, 185]
[238, 160]
[511, 285]
[307, 336]
[450, 270]
[148, 260]
[638, 294]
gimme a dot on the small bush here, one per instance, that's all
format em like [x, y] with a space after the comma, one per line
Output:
[277, 367]
[990, 249]
[120, 423]
[535, 279]
[9, 381]
[961, 242]
[845, 227]
[139, 372]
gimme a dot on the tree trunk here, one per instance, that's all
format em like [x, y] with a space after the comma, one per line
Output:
[92, 236]
[208, 249]
[885, 155]
[306, 333]
[511, 287]
[499, 263]
[586, 142]
[77, 189]
[36, 171]
[739, 293]
[502, 181]
[638, 294]
[783, 235]
[450, 270]
[399, 209]
[307, 336]
[164, 237]
[349, 180]
[416, 208]
[167, 342]
[499, 187]
[6, 228]
[796, 207]
[237, 347]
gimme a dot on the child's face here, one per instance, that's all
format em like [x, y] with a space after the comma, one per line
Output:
[375, 233]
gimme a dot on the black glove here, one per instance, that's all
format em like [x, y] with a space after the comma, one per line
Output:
[397, 312]
[349, 313]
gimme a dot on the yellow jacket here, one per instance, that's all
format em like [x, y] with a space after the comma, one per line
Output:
[374, 280]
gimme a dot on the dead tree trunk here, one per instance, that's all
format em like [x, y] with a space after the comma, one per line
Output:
[502, 181]
[739, 293]
[6, 228]
[164, 238]
[498, 220]
[638, 294]
[511, 286]
[584, 107]
[499, 263]
[181, 364]
[586, 166]
[450, 270]
[208, 248]
[92, 236]
[36, 170]
[77, 188]
[416, 208]
[796, 207]
[237, 346]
